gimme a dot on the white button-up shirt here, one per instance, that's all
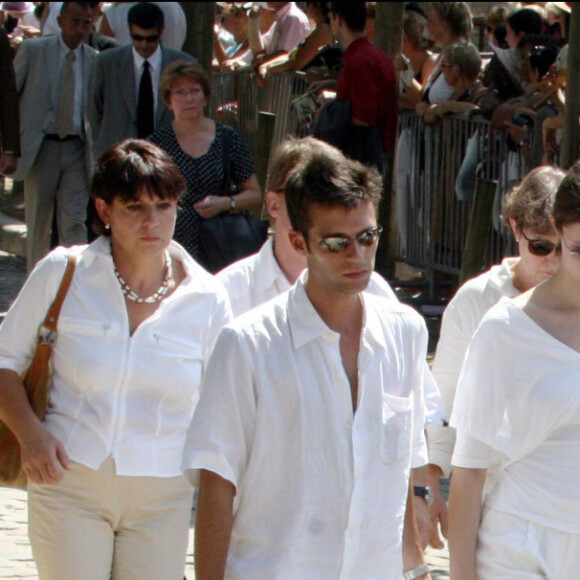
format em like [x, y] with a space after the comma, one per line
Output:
[289, 30]
[321, 491]
[112, 394]
[258, 278]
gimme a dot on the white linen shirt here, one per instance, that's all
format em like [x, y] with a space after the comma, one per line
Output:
[321, 492]
[112, 394]
[460, 320]
[254, 280]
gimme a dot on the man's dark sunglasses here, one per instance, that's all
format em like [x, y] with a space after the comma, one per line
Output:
[150, 38]
[539, 247]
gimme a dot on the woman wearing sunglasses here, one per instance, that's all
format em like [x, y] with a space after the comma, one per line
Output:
[527, 212]
[518, 398]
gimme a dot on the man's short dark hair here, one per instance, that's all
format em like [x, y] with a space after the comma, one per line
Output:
[66, 5]
[331, 180]
[146, 15]
[525, 20]
[354, 14]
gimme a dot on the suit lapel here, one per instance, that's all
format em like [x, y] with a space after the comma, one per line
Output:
[51, 54]
[126, 79]
[161, 107]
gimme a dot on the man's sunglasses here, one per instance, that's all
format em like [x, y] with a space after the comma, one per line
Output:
[336, 244]
[150, 38]
[539, 247]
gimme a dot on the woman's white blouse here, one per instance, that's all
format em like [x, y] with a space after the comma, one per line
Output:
[519, 394]
[113, 394]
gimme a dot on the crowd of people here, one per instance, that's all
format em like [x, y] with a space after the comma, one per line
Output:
[292, 388]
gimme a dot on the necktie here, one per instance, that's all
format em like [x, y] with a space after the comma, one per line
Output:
[145, 106]
[66, 101]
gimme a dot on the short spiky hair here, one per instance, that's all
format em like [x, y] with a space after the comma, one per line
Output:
[331, 180]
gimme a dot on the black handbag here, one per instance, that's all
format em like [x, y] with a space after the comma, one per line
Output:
[229, 237]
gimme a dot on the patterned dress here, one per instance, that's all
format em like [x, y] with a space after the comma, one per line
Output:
[204, 176]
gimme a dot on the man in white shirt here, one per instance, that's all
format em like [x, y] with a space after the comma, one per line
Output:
[306, 438]
[52, 77]
[122, 103]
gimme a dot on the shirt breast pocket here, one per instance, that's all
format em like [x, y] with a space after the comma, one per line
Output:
[395, 438]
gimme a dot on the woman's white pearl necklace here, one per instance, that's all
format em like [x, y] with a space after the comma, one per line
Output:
[158, 295]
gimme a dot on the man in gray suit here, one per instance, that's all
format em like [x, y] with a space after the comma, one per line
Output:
[125, 83]
[52, 74]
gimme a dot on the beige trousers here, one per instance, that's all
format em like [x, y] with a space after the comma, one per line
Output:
[97, 525]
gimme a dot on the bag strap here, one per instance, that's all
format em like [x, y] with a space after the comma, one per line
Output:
[47, 331]
[227, 161]
[36, 376]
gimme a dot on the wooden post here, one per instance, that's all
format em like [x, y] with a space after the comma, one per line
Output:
[266, 123]
[388, 37]
[570, 139]
[200, 18]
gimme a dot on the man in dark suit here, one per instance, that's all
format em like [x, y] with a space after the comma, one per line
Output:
[52, 76]
[9, 123]
[126, 100]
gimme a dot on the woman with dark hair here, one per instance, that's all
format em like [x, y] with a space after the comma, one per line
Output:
[306, 53]
[518, 400]
[198, 146]
[107, 498]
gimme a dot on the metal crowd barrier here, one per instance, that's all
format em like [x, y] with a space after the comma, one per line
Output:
[236, 100]
[434, 215]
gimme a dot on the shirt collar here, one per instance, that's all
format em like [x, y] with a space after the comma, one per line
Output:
[305, 322]
[101, 249]
[65, 49]
[270, 272]
[154, 59]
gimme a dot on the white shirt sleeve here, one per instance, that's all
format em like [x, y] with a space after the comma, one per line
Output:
[471, 453]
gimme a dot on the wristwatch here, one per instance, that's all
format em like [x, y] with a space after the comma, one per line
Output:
[232, 203]
[423, 491]
[416, 572]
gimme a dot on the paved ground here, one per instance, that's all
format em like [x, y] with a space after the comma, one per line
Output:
[16, 558]
[15, 555]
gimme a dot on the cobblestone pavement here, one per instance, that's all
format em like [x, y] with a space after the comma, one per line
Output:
[12, 276]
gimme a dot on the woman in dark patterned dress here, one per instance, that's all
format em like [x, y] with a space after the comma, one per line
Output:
[196, 144]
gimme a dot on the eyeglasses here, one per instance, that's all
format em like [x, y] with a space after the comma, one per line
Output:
[574, 253]
[185, 94]
[150, 38]
[337, 244]
[539, 247]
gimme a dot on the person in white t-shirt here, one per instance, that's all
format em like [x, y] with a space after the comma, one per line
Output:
[303, 442]
[526, 210]
[518, 397]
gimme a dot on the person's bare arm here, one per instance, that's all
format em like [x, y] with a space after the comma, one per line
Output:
[44, 459]
[249, 198]
[412, 552]
[464, 518]
[106, 29]
[213, 526]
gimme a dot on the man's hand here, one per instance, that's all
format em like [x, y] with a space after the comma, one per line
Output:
[438, 509]
[8, 163]
[423, 520]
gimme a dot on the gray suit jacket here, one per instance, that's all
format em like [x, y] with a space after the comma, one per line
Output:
[37, 81]
[113, 106]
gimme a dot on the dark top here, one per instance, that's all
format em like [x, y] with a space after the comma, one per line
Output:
[9, 119]
[368, 81]
[205, 176]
